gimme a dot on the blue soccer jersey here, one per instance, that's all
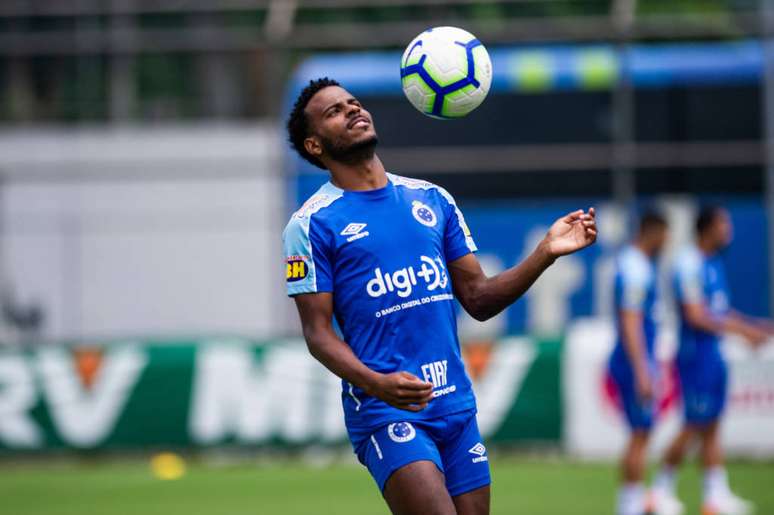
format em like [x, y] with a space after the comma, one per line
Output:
[699, 279]
[383, 254]
[635, 290]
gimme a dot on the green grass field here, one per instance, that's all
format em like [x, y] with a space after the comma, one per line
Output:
[521, 486]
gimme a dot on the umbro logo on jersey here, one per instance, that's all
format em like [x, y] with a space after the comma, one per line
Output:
[354, 231]
[479, 451]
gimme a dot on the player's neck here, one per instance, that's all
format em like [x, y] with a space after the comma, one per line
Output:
[643, 247]
[706, 247]
[648, 245]
[368, 174]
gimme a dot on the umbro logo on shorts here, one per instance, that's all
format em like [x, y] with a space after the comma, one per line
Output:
[479, 451]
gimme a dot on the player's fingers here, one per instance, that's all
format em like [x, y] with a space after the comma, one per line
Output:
[413, 397]
[409, 378]
[592, 212]
[575, 215]
[414, 383]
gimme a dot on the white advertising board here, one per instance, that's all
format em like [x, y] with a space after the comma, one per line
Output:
[594, 428]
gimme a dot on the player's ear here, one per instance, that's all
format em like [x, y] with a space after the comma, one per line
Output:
[313, 146]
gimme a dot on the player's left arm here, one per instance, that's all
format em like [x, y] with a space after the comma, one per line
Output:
[484, 297]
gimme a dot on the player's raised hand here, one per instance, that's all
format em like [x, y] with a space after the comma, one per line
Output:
[402, 390]
[571, 233]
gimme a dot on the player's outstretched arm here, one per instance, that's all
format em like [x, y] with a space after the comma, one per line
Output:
[754, 333]
[400, 389]
[698, 317]
[484, 297]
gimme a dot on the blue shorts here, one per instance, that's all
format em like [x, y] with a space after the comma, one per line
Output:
[452, 442]
[639, 415]
[703, 384]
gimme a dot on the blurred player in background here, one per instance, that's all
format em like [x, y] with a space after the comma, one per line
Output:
[701, 293]
[633, 365]
[383, 254]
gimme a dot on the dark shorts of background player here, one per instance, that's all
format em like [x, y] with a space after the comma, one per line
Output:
[703, 385]
[452, 442]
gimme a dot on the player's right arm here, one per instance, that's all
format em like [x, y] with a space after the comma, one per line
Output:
[399, 389]
[633, 337]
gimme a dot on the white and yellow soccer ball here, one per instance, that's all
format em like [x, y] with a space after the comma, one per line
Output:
[446, 72]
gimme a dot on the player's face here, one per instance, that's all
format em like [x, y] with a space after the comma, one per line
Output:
[654, 239]
[340, 126]
[722, 229]
[660, 236]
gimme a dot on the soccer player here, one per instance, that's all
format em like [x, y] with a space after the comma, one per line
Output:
[386, 255]
[701, 294]
[632, 365]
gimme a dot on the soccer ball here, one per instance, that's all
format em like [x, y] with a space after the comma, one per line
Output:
[446, 72]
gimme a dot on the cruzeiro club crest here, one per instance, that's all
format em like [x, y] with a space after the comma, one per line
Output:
[401, 432]
[423, 214]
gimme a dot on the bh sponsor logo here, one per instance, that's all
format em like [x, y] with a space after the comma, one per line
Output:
[432, 272]
[296, 268]
[479, 451]
[401, 432]
[436, 373]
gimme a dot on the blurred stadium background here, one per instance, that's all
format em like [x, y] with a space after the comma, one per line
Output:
[145, 181]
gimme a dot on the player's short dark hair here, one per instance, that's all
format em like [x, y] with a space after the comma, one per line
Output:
[298, 124]
[707, 216]
[651, 220]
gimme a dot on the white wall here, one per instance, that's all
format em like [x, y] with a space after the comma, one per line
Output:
[145, 231]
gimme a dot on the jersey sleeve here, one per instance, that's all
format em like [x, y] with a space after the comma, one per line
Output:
[635, 281]
[689, 279]
[457, 238]
[307, 257]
